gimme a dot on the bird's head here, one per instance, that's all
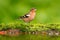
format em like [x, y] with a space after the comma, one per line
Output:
[33, 10]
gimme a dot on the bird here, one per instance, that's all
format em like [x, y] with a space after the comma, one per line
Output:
[29, 16]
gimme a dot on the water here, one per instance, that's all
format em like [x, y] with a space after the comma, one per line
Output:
[29, 37]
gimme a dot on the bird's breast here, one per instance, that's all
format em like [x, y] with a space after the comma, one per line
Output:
[32, 16]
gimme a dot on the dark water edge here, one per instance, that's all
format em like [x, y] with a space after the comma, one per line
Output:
[30, 37]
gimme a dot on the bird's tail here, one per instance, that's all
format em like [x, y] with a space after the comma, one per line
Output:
[20, 18]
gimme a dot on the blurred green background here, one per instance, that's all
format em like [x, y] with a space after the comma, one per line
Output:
[48, 11]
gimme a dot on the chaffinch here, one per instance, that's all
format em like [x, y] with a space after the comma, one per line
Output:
[30, 16]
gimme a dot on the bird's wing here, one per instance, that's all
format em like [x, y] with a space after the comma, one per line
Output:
[26, 15]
